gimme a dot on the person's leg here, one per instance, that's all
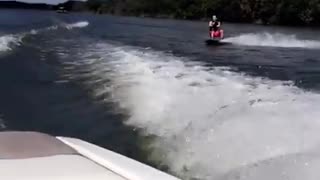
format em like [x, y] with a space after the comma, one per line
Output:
[221, 34]
[213, 34]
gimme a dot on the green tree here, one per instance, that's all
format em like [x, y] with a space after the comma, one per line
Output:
[286, 12]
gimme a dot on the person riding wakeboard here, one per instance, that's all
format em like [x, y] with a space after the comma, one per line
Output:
[214, 28]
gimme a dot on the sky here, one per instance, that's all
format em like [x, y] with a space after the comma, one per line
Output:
[42, 1]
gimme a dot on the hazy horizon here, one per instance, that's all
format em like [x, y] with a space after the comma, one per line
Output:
[42, 1]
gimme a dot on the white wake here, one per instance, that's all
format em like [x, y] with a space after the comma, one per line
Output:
[272, 40]
[80, 24]
[70, 26]
[209, 122]
[7, 42]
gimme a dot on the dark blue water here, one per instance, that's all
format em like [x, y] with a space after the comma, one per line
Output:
[152, 90]
[35, 97]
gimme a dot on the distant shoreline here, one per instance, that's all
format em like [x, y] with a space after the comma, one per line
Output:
[69, 6]
[82, 6]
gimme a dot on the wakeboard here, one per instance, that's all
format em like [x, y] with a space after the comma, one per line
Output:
[215, 42]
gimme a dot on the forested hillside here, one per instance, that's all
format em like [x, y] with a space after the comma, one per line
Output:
[284, 12]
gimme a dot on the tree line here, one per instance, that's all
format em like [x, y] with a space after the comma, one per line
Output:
[282, 12]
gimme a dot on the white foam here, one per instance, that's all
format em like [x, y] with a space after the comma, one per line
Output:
[272, 40]
[54, 27]
[7, 41]
[33, 32]
[208, 121]
[80, 24]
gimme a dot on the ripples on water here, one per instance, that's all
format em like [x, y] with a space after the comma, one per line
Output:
[205, 121]
[208, 121]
